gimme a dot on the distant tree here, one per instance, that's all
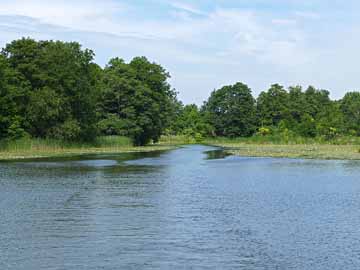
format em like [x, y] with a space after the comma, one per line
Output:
[330, 121]
[350, 107]
[297, 103]
[316, 101]
[191, 121]
[273, 105]
[231, 111]
[307, 126]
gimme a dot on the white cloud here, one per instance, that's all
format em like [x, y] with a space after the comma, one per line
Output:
[187, 8]
[201, 49]
[308, 14]
[75, 14]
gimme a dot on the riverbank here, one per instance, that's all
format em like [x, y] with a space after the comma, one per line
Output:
[305, 151]
[39, 148]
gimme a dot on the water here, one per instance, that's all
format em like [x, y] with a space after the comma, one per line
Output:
[182, 209]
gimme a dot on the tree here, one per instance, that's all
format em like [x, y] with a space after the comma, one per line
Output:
[330, 121]
[272, 106]
[307, 127]
[231, 111]
[13, 93]
[191, 120]
[62, 84]
[297, 103]
[350, 107]
[139, 95]
[316, 101]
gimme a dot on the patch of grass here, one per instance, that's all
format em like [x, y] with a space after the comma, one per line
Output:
[308, 149]
[40, 148]
[283, 140]
[176, 140]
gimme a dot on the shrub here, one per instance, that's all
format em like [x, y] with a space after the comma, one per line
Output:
[69, 131]
[263, 131]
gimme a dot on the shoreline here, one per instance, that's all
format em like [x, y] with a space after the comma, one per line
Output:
[35, 154]
[296, 151]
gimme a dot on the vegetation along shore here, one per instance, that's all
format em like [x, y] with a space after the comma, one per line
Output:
[26, 148]
[55, 101]
[304, 151]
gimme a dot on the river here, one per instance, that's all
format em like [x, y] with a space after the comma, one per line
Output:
[190, 208]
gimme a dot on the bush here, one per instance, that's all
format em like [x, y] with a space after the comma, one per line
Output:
[198, 137]
[112, 125]
[263, 131]
[69, 131]
[15, 130]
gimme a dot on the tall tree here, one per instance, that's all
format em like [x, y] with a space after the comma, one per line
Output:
[350, 106]
[272, 106]
[13, 93]
[62, 87]
[316, 101]
[231, 111]
[138, 97]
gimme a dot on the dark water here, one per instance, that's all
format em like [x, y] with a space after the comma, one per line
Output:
[182, 209]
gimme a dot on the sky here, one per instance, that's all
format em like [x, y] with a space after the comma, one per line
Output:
[207, 44]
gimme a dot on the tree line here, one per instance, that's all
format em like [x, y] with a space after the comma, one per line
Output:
[54, 89]
[232, 111]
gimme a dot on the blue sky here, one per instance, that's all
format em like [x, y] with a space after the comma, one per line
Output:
[206, 44]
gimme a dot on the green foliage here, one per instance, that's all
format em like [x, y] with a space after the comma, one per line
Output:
[350, 107]
[112, 141]
[53, 90]
[39, 145]
[231, 111]
[136, 100]
[189, 118]
[307, 127]
[272, 106]
[113, 125]
[15, 130]
[263, 131]
[70, 130]
[60, 87]
[46, 111]
[13, 89]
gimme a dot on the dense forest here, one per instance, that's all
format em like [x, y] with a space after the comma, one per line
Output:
[53, 89]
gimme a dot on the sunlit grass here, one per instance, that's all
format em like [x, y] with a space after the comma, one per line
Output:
[176, 140]
[345, 149]
[38, 148]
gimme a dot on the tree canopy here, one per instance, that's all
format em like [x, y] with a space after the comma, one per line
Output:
[231, 111]
[54, 89]
[136, 100]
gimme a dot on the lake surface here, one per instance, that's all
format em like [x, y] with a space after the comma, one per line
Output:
[181, 209]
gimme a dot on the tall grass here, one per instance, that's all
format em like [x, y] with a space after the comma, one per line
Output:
[290, 140]
[344, 148]
[176, 140]
[44, 145]
[41, 148]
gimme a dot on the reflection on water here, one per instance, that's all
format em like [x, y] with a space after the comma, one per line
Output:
[194, 207]
[217, 154]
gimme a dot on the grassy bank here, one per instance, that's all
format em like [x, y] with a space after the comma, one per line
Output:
[342, 149]
[345, 148]
[40, 148]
